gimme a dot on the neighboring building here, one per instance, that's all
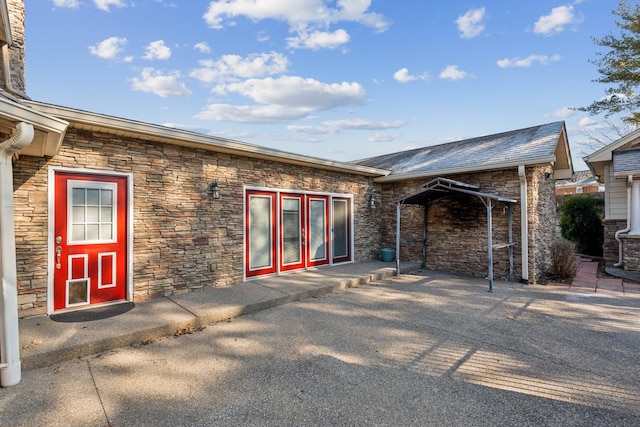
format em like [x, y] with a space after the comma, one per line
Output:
[105, 210]
[617, 167]
[582, 182]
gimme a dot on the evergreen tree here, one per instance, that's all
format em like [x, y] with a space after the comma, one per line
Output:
[620, 66]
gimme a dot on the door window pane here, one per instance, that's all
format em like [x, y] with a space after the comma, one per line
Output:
[317, 230]
[259, 232]
[340, 229]
[92, 212]
[291, 241]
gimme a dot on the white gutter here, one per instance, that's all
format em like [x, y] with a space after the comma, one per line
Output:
[524, 223]
[10, 366]
[628, 227]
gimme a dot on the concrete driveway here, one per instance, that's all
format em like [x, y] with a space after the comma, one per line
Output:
[423, 349]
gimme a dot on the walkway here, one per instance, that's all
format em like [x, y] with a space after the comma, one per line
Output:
[587, 280]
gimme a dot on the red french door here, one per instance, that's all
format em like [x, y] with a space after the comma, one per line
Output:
[260, 233]
[317, 230]
[292, 232]
[286, 231]
[341, 230]
[90, 240]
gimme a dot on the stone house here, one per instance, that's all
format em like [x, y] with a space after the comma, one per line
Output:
[617, 167]
[100, 210]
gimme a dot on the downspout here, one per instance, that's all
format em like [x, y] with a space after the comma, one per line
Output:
[628, 227]
[524, 223]
[10, 367]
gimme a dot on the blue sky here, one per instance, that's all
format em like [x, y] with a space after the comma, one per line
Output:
[340, 80]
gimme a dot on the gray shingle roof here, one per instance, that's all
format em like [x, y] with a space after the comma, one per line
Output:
[580, 178]
[503, 148]
[626, 161]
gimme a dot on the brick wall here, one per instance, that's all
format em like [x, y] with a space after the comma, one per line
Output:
[178, 229]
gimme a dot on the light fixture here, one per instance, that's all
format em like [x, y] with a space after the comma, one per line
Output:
[214, 190]
[371, 200]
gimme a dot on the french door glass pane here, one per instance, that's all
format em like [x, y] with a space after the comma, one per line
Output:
[317, 230]
[259, 232]
[291, 249]
[340, 229]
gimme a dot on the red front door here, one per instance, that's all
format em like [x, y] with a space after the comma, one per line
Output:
[90, 240]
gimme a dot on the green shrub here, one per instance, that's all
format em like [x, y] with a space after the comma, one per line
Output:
[564, 263]
[581, 222]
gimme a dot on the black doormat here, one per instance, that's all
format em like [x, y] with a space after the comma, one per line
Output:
[91, 314]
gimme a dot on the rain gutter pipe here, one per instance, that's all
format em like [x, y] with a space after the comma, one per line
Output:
[10, 366]
[628, 227]
[524, 223]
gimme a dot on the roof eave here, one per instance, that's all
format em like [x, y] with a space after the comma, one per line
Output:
[110, 124]
[606, 153]
[49, 130]
[466, 169]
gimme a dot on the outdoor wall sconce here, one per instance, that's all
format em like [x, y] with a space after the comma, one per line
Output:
[371, 200]
[214, 190]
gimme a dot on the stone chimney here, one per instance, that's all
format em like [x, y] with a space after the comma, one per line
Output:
[15, 51]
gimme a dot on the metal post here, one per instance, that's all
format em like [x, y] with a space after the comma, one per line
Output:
[424, 237]
[510, 247]
[490, 244]
[398, 239]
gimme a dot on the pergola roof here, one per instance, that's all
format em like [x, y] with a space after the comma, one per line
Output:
[441, 187]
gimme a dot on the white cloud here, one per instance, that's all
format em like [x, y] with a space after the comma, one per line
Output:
[106, 4]
[556, 21]
[452, 72]
[382, 137]
[108, 48]
[526, 62]
[66, 3]
[157, 50]
[163, 85]
[470, 24]
[336, 126]
[563, 112]
[251, 113]
[313, 130]
[230, 67]
[318, 40]
[587, 122]
[202, 47]
[283, 99]
[305, 17]
[403, 76]
[298, 92]
[362, 124]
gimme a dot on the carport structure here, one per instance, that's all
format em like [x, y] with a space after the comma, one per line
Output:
[442, 187]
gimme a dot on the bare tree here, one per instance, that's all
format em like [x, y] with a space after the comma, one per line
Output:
[597, 137]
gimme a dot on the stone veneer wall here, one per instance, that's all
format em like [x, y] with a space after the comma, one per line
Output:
[457, 225]
[611, 249]
[178, 230]
[16, 50]
[631, 252]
